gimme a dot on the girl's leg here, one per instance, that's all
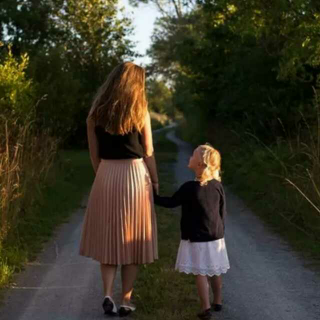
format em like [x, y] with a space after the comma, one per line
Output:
[203, 291]
[128, 275]
[216, 285]
[108, 273]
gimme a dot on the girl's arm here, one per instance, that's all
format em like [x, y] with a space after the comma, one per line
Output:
[93, 144]
[149, 152]
[171, 202]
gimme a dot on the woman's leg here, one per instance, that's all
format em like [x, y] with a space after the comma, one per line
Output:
[216, 285]
[108, 273]
[128, 275]
[203, 291]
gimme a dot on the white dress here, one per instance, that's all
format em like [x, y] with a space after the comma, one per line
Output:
[203, 258]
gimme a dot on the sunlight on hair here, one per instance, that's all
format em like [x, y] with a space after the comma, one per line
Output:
[211, 158]
[120, 105]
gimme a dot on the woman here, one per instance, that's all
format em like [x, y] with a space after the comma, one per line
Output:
[120, 224]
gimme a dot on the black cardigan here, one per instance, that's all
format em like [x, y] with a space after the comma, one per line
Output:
[203, 210]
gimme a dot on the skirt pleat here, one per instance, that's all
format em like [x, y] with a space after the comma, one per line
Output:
[120, 223]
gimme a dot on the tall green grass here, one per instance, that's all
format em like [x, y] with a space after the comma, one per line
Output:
[294, 164]
[50, 202]
[25, 160]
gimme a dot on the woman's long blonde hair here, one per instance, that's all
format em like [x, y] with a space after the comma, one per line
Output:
[120, 105]
[211, 160]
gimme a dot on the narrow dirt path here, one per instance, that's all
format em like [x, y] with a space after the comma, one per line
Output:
[60, 284]
[267, 280]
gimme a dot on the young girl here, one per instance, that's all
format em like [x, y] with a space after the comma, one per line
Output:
[202, 250]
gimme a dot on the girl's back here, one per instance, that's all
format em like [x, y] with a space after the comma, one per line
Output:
[203, 210]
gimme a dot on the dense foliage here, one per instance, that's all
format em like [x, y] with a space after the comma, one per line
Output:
[253, 62]
[72, 45]
[250, 69]
[17, 93]
[159, 97]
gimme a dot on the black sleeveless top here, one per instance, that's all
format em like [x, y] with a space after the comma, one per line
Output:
[116, 146]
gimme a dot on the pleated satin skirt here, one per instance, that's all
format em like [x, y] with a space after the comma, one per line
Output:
[120, 224]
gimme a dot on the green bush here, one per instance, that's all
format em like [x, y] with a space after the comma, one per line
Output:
[17, 92]
[62, 96]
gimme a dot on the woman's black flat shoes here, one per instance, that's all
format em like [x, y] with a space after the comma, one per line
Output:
[109, 306]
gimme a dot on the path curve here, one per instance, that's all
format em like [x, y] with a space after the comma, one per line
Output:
[267, 280]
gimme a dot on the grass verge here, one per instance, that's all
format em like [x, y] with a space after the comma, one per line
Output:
[160, 291]
[67, 182]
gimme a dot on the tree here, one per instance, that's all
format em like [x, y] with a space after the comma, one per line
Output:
[95, 38]
[169, 8]
[28, 24]
[72, 46]
[247, 61]
[160, 97]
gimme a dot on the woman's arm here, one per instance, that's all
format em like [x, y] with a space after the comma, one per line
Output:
[93, 144]
[149, 158]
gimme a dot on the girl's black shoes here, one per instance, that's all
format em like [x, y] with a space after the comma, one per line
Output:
[216, 307]
[109, 306]
[205, 315]
[208, 314]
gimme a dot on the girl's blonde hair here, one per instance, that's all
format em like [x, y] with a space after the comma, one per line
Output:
[211, 159]
[120, 105]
